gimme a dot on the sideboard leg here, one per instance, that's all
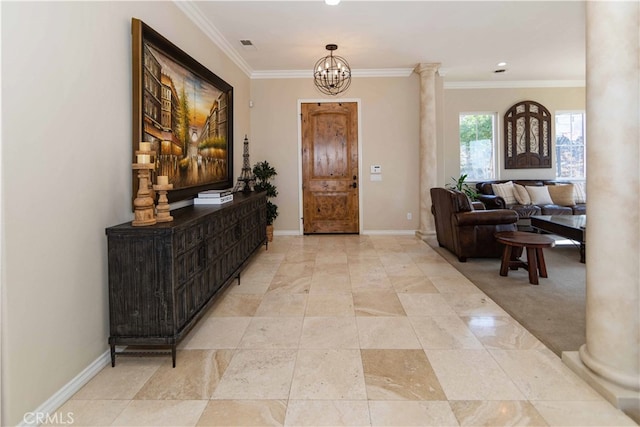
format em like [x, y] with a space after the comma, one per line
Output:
[113, 355]
[173, 354]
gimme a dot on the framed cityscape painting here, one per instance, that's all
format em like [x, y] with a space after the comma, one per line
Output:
[185, 111]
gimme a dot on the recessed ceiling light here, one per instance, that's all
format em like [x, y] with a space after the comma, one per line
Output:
[332, 2]
[501, 64]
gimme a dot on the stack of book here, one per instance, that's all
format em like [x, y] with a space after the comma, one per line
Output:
[213, 197]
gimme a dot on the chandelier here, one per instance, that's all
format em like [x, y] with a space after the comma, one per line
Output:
[332, 74]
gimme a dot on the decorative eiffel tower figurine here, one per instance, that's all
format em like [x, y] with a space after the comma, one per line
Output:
[246, 180]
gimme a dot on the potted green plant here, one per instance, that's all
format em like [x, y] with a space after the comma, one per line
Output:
[264, 173]
[460, 184]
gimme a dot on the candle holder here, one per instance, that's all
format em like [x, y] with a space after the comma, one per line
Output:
[149, 157]
[144, 212]
[163, 203]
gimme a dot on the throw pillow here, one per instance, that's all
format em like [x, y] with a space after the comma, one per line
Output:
[521, 194]
[539, 195]
[505, 191]
[580, 192]
[562, 195]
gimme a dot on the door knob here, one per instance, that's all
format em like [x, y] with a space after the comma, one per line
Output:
[354, 185]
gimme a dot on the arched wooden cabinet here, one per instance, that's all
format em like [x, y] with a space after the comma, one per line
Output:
[527, 133]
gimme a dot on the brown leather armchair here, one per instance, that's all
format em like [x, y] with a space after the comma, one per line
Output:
[466, 228]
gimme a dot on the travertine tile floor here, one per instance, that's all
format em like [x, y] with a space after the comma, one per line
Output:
[348, 330]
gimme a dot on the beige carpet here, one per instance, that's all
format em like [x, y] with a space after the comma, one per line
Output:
[553, 311]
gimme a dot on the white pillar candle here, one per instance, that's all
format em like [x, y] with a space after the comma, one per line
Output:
[145, 146]
[163, 180]
[143, 158]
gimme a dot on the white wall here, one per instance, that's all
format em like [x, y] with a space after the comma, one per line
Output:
[66, 176]
[498, 101]
[389, 114]
[390, 137]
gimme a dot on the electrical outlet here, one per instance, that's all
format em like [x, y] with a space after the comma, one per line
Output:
[409, 215]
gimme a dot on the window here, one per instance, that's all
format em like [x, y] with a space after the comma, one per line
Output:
[477, 146]
[570, 145]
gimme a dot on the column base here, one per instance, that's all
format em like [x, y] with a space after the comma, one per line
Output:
[425, 235]
[628, 401]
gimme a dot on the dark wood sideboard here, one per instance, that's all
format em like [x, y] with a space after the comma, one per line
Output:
[162, 278]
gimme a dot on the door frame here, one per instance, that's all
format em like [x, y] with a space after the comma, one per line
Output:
[358, 102]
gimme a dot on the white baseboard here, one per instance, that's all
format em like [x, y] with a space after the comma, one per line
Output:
[286, 233]
[389, 232]
[51, 405]
[368, 232]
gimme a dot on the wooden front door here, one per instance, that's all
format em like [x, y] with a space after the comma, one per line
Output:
[330, 167]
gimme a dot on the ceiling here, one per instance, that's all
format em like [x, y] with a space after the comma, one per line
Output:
[541, 41]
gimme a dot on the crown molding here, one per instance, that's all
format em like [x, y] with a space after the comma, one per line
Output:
[191, 10]
[282, 74]
[383, 72]
[515, 84]
[308, 74]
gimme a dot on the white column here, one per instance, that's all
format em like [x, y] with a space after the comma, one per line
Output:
[610, 359]
[428, 146]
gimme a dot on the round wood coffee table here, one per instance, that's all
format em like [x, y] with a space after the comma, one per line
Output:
[534, 243]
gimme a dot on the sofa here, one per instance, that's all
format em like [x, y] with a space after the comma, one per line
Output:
[466, 228]
[533, 197]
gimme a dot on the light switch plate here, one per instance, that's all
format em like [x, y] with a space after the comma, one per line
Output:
[376, 169]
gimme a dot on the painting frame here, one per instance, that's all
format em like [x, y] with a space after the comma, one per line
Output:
[185, 111]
